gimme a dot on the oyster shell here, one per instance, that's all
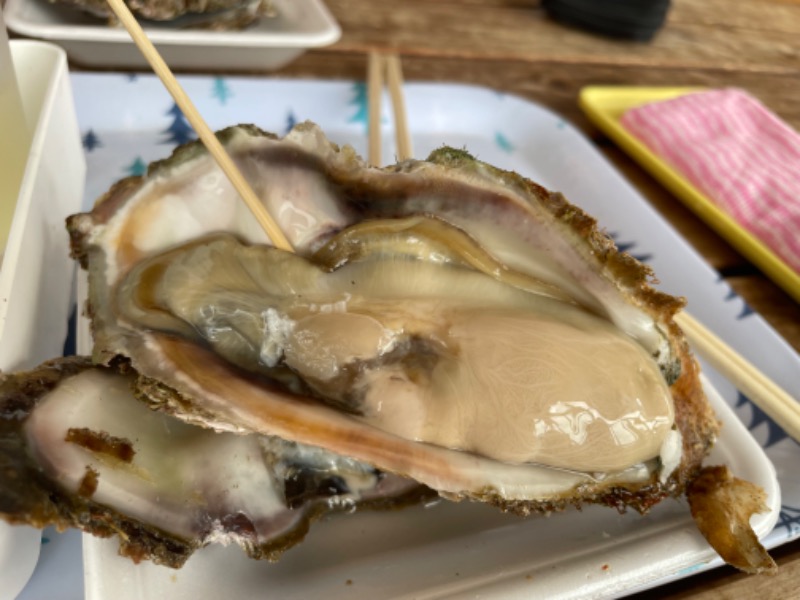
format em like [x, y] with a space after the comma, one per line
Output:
[443, 320]
[78, 450]
[181, 14]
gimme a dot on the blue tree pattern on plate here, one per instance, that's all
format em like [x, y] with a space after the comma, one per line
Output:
[360, 102]
[179, 131]
[137, 167]
[789, 518]
[91, 141]
[291, 121]
[628, 246]
[746, 310]
[503, 142]
[221, 90]
[775, 435]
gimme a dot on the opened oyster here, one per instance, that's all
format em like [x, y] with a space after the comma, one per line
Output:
[441, 320]
[78, 450]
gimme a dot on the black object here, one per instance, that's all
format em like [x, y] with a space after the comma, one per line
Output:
[632, 19]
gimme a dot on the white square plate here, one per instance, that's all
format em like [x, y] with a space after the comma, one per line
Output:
[454, 549]
[269, 44]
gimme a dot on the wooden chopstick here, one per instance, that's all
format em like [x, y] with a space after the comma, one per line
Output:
[394, 79]
[374, 91]
[747, 378]
[389, 65]
[205, 134]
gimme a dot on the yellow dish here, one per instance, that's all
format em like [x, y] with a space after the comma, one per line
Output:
[604, 105]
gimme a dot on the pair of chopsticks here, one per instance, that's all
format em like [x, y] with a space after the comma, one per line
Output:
[765, 393]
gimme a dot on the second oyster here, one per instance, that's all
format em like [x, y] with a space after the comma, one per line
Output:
[78, 450]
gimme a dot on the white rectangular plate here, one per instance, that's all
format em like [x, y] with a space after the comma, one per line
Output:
[456, 549]
[268, 44]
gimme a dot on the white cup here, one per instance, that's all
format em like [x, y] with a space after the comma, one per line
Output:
[19, 545]
[19, 553]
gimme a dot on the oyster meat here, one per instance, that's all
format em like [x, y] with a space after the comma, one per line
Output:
[441, 320]
[78, 450]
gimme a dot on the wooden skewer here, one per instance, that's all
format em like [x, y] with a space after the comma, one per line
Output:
[203, 131]
[747, 378]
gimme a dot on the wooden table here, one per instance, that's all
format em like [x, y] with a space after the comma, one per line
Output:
[512, 46]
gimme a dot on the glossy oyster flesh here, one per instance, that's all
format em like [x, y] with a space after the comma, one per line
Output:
[78, 450]
[442, 320]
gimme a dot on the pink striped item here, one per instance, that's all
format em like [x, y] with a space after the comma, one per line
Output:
[738, 153]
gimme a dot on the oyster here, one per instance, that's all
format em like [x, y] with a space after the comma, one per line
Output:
[180, 14]
[78, 450]
[442, 320]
